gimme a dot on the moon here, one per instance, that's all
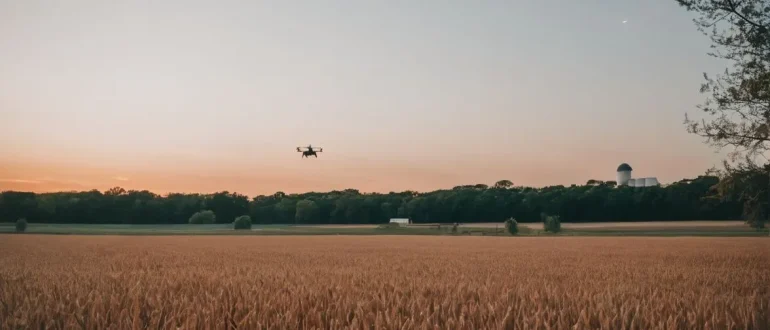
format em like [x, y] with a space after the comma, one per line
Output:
[625, 21]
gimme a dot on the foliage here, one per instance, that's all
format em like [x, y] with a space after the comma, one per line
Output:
[552, 223]
[21, 225]
[683, 200]
[746, 184]
[242, 222]
[739, 100]
[737, 108]
[203, 217]
[307, 211]
[511, 226]
[389, 226]
[503, 184]
[227, 205]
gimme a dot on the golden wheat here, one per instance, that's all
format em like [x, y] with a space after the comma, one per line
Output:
[257, 282]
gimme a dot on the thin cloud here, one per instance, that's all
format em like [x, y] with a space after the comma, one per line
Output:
[121, 178]
[21, 181]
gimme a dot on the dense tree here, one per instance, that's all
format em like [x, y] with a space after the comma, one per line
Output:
[227, 206]
[21, 225]
[285, 211]
[511, 226]
[307, 212]
[387, 210]
[737, 108]
[503, 184]
[242, 222]
[684, 200]
[552, 223]
[203, 218]
[747, 185]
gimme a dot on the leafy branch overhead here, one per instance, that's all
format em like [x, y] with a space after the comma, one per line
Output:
[737, 108]
[738, 105]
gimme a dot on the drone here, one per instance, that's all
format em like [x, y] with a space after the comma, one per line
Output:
[309, 151]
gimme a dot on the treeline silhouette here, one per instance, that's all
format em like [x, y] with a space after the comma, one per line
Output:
[596, 201]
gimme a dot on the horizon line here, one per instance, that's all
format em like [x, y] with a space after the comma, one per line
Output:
[334, 190]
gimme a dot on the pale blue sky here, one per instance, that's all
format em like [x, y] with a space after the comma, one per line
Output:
[451, 92]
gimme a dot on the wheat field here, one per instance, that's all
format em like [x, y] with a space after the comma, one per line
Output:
[383, 282]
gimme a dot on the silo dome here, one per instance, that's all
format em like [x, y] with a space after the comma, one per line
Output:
[624, 174]
[624, 168]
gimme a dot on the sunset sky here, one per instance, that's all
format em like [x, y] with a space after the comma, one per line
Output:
[205, 96]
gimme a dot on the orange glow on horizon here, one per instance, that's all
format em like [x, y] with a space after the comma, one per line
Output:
[324, 175]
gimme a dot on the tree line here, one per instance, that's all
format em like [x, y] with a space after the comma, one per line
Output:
[596, 201]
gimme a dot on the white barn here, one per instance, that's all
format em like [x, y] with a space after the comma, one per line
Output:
[400, 221]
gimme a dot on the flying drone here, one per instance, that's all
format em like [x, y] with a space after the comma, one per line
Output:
[309, 151]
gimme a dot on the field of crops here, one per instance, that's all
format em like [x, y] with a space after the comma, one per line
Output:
[391, 282]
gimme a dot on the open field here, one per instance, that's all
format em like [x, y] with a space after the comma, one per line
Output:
[645, 224]
[392, 282]
[648, 224]
[652, 228]
[215, 229]
[675, 228]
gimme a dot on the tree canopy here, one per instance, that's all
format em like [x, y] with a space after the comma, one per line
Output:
[737, 106]
[596, 201]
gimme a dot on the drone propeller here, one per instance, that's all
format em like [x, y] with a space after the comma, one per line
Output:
[299, 149]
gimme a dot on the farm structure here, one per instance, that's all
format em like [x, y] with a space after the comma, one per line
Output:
[624, 178]
[401, 221]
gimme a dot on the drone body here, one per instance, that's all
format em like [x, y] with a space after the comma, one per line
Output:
[309, 151]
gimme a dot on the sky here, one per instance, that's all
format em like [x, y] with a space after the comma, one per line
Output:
[206, 96]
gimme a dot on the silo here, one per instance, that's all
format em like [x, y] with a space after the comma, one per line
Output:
[650, 182]
[624, 174]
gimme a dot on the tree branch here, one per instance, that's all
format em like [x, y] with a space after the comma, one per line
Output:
[734, 10]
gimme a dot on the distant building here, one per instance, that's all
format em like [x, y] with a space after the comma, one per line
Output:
[624, 178]
[400, 221]
[649, 182]
[624, 174]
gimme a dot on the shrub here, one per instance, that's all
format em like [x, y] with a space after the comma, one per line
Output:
[454, 228]
[21, 225]
[203, 217]
[389, 225]
[511, 226]
[754, 214]
[242, 222]
[552, 224]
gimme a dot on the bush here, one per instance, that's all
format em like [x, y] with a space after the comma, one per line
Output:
[754, 214]
[454, 228]
[511, 226]
[552, 224]
[242, 222]
[203, 217]
[21, 225]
